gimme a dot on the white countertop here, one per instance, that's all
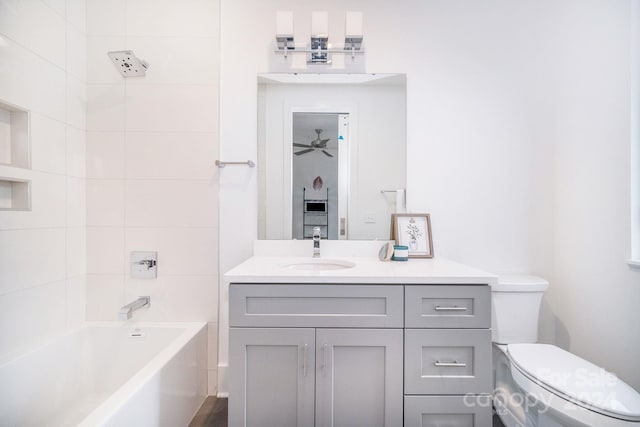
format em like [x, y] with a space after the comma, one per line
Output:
[276, 269]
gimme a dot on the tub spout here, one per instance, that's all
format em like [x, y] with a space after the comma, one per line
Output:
[126, 311]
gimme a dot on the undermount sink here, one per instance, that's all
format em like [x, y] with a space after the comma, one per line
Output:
[320, 265]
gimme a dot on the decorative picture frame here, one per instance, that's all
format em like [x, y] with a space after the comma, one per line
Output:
[414, 231]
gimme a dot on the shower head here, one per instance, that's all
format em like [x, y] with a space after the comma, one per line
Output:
[128, 64]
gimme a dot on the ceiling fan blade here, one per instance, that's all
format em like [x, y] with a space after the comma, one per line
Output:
[324, 141]
[308, 150]
[327, 153]
[295, 144]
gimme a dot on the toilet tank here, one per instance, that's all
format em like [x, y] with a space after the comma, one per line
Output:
[515, 308]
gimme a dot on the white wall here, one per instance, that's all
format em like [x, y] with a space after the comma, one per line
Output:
[151, 146]
[504, 128]
[594, 294]
[42, 251]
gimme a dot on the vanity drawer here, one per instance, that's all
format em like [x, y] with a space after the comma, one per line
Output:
[315, 305]
[437, 411]
[453, 306]
[451, 361]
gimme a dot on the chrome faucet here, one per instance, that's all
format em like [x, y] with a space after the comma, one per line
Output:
[316, 242]
[126, 311]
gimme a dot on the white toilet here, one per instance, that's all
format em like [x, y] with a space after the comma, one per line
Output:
[543, 385]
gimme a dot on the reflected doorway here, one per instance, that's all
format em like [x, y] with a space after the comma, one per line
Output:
[319, 175]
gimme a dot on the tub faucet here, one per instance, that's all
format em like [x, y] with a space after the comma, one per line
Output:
[126, 311]
[316, 242]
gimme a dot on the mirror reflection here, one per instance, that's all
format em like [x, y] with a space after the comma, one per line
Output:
[331, 154]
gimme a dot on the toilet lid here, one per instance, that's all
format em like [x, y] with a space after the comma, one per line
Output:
[576, 379]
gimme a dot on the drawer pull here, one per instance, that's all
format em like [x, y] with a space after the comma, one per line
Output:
[454, 308]
[455, 364]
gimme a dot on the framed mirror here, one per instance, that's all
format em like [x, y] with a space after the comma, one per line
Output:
[331, 154]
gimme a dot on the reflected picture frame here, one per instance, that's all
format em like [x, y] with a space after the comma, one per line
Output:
[414, 231]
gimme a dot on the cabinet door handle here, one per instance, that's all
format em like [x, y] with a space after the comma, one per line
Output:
[305, 352]
[454, 308]
[453, 364]
[324, 356]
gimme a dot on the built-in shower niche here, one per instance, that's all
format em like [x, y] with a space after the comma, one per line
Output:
[14, 152]
[14, 194]
[14, 136]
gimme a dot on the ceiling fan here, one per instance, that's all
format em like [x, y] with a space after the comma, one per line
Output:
[316, 144]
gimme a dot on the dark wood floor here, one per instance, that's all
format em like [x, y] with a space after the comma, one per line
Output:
[213, 413]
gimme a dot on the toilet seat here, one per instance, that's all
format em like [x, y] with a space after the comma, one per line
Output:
[575, 380]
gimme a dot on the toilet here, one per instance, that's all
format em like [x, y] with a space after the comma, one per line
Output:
[543, 385]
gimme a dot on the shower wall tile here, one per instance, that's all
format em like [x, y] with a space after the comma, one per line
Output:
[48, 144]
[76, 202]
[106, 107]
[47, 306]
[105, 18]
[189, 154]
[176, 60]
[31, 82]
[105, 296]
[106, 155]
[76, 53]
[47, 203]
[76, 152]
[158, 136]
[76, 252]
[18, 20]
[59, 6]
[170, 203]
[76, 300]
[195, 18]
[31, 257]
[105, 202]
[171, 108]
[77, 14]
[100, 69]
[105, 251]
[42, 251]
[181, 250]
[76, 101]
[180, 298]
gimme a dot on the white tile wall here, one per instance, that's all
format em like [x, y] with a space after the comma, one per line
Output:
[105, 199]
[106, 155]
[48, 144]
[190, 155]
[151, 147]
[43, 251]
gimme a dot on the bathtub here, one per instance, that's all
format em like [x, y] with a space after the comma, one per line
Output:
[109, 374]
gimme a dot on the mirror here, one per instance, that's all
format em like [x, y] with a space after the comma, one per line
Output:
[331, 154]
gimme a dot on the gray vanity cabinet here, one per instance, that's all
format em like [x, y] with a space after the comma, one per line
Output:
[327, 355]
[341, 365]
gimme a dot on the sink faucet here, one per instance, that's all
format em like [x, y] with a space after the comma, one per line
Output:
[126, 311]
[316, 242]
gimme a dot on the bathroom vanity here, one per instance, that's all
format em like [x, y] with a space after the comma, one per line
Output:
[352, 341]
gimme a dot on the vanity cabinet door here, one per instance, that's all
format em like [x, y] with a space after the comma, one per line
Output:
[271, 377]
[358, 377]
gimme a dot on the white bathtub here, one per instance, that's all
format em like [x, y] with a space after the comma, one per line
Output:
[109, 374]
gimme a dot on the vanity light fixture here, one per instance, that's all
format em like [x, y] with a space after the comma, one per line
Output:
[284, 30]
[319, 50]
